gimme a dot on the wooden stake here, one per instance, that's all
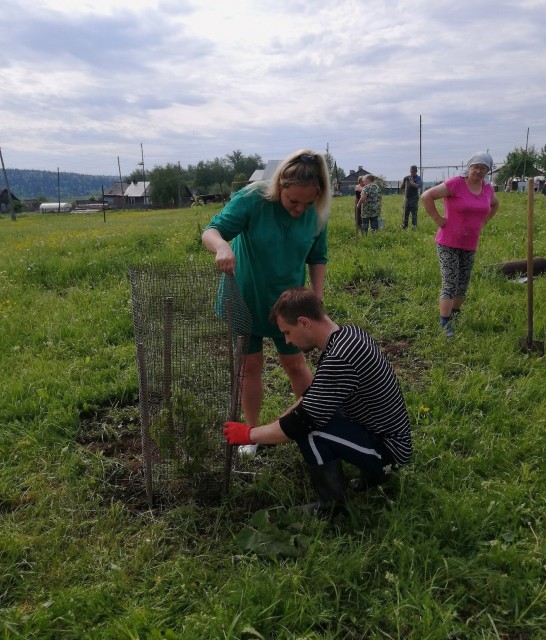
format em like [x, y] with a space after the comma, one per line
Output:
[145, 421]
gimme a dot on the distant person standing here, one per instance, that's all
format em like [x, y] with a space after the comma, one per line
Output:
[358, 193]
[411, 185]
[469, 203]
[370, 204]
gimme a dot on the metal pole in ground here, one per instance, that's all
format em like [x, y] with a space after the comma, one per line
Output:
[527, 344]
[145, 422]
[233, 402]
[168, 375]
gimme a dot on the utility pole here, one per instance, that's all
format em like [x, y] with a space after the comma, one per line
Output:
[103, 205]
[10, 204]
[59, 187]
[523, 177]
[143, 176]
[421, 152]
[179, 177]
[121, 184]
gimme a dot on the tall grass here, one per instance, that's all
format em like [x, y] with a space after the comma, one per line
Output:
[452, 548]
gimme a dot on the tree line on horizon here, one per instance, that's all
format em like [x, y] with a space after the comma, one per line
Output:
[168, 182]
[221, 176]
[34, 184]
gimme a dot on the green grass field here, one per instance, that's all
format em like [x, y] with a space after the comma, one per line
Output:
[452, 548]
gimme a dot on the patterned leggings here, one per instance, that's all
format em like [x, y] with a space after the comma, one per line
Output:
[456, 268]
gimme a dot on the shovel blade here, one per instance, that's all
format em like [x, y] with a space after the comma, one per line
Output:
[531, 346]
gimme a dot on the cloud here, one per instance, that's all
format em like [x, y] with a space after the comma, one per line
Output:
[84, 82]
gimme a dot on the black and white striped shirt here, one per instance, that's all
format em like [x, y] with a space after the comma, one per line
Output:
[353, 375]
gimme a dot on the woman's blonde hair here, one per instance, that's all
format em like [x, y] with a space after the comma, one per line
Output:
[303, 168]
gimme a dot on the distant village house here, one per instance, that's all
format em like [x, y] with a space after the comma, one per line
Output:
[114, 196]
[348, 183]
[4, 200]
[137, 194]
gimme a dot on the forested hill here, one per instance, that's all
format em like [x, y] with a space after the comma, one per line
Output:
[30, 183]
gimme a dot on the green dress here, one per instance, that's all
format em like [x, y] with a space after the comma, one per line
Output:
[271, 250]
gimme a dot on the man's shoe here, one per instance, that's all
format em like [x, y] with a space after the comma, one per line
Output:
[328, 481]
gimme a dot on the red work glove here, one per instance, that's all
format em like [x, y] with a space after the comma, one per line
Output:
[237, 433]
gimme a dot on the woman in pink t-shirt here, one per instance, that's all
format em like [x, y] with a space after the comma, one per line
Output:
[469, 203]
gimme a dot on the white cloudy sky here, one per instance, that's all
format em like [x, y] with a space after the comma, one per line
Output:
[85, 82]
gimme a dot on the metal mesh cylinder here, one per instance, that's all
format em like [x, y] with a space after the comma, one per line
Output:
[191, 330]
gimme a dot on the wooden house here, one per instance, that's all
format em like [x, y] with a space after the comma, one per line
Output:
[348, 183]
[137, 194]
[4, 200]
[114, 196]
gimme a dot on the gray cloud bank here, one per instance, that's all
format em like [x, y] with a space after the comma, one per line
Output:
[83, 83]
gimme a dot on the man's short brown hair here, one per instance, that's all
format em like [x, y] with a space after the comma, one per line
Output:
[297, 302]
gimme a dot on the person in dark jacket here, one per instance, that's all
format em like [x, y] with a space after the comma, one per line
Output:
[411, 186]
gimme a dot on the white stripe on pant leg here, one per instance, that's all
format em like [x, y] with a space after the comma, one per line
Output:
[346, 443]
[314, 449]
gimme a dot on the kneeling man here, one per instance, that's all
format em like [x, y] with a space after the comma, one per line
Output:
[353, 411]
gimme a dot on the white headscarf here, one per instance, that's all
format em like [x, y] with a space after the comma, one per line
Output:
[480, 157]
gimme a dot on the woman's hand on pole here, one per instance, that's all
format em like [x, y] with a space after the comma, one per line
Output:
[225, 259]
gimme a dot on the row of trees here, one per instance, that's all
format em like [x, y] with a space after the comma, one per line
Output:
[169, 182]
[218, 176]
[221, 175]
[522, 163]
[231, 172]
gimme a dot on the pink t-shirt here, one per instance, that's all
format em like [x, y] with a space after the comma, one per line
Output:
[465, 215]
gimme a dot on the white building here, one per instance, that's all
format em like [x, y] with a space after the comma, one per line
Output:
[50, 207]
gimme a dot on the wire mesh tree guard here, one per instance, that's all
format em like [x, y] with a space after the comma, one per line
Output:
[192, 330]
